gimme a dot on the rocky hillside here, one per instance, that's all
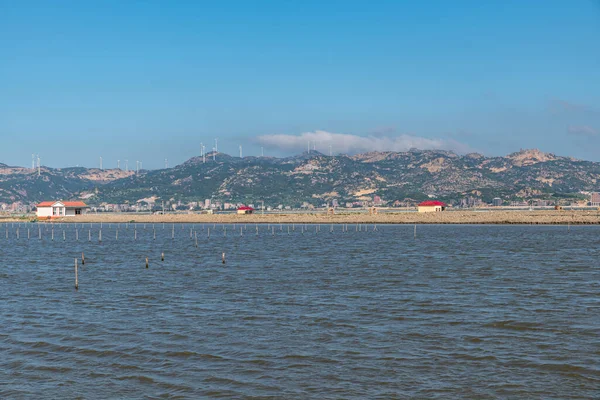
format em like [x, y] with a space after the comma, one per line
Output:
[315, 178]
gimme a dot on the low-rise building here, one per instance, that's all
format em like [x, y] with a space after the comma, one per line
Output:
[56, 209]
[432, 206]
[245, 210]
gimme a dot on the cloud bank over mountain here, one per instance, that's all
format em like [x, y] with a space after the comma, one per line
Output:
[352, 144]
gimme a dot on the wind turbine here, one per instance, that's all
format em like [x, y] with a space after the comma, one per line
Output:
[100, 163]
[240, 151]
[126, 165]
[203, 155]
[118, 164]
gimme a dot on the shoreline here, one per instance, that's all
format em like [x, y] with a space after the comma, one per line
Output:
[545, 217]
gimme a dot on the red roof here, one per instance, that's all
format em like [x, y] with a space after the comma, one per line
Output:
[66, 203]
[431, 203]
[243, 208]
[74, 204]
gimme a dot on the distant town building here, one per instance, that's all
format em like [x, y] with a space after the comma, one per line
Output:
[517, 203]
[595, 199]
[207, 203]
[55, 209]
[497, 202]
[470, 201]
[377, 200]
[432, 206]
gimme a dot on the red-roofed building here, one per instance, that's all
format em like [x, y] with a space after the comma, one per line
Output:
[432, 206]
[56, 209]
[245, 210]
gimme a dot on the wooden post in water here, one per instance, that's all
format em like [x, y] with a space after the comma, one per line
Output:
[162, 256]
[100, 236]
[146, 262]
[76, 277]
[154, 234]
[53, 234]
[135, 234]
[76, 235]
[223, 258]
[82, 259]
[208, 233]
[90, 235]
[64, 236]
[415, 236]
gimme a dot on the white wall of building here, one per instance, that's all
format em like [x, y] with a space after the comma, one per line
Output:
[430, 208]
[44, 211]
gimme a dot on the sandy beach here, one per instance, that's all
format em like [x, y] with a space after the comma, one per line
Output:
[546, 217]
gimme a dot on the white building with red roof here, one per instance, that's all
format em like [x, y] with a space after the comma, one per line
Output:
[57, 209]
[432, 206]
[245, 210]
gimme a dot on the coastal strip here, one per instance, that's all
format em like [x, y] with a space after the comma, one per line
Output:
[542, 217]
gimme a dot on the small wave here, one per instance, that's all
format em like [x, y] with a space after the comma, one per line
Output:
[515, 325]
[466, 356]
[140, 378]
[49, 368]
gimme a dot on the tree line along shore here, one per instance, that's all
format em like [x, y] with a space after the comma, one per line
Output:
[546, 217]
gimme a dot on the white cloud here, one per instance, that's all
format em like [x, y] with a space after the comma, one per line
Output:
[583, 130]
[352, 144]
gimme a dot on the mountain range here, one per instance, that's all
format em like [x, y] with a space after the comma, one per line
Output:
[314, 178]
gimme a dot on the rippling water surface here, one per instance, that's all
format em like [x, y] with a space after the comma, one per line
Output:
[460, 312]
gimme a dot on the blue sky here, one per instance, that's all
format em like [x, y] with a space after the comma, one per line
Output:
[149, 80]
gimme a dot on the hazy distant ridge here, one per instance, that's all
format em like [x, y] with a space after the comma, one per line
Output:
[314, 178]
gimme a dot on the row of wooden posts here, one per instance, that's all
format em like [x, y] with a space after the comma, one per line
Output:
[194, 233]
[162, 258]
